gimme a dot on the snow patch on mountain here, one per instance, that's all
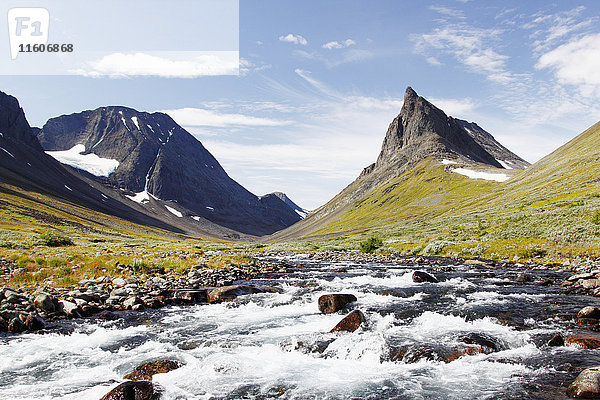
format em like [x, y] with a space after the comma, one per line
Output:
[91, 163]
[481, 175]
[174, 211]
[135, 121]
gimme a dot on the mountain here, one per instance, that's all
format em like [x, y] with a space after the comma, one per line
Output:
[428, 162]
[32, 181]
[283, 197]
[151, 158]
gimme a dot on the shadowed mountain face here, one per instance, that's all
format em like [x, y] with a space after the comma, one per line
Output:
[159, 158]
[283, 197]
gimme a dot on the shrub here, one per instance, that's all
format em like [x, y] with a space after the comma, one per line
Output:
[596, 217]
[436, 247]
[371, 244]
[533, 251]
[53, 239]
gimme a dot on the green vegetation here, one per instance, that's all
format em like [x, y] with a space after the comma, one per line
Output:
[371, 244]
[53, 239]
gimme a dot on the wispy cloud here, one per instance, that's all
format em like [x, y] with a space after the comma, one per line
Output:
[294, 38]
[468, 45]
[338, 45]
[203, 117]
[162, 64]
[550, 29]
[576, 63]
[337, 59]
[449, 12]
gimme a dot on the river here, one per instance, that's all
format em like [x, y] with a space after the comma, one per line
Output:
[278, 345]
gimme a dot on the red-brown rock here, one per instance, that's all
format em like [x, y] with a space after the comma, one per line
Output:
[141, 390]
[587, 342]
[350, 322]
[145, 371]
[330, 303]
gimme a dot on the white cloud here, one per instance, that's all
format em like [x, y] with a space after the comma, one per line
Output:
[576, 63]
[433, 61]
[162, 64]
[338, 45]
[470, 46]
[447, 11]
[455, 107]
[551, 29]
[292, 38]
[202, 117]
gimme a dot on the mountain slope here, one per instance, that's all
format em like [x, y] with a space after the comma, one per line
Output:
[283, 197]
[154, 157]
[420, 171]
[31, 181]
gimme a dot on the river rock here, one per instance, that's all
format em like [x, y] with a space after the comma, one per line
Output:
[45, 302]
[589, 312]
[190, 296]
[330, 303]
[586, 385]
[422, 276]
[147, 370]
[587, 342]
[487, 342]
[69, 308]
[228, 293]
[132, 301]
[140, 390]
[34, 323]
[556, 341]
[350, 322]
[119, 282]
[16, 326]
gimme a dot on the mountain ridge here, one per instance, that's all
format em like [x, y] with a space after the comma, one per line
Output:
[157, 157]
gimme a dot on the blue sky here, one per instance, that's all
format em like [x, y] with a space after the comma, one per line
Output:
[320, 81]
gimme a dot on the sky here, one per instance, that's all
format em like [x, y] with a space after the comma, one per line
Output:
[319, 81]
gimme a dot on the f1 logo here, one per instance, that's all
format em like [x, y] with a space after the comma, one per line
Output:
[27, 26]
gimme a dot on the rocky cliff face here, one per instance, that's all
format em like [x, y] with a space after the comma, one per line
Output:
[157, 157]
[283, 197]
[422, 130]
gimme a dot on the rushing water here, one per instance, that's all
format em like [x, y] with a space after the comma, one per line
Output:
[277, 345]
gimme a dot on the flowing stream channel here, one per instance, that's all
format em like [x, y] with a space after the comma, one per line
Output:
[414, 343]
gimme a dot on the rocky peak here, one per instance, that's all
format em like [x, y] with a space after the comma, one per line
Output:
[421, 129]
[13, 124]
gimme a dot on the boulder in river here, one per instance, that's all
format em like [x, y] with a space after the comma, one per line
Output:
[589, 312]
[140, 390]
[350, 322]
[422, 276]
[330, 303]
[586, 385]
[145, 371]
[556, 341]
[587, 342]
[228, 293]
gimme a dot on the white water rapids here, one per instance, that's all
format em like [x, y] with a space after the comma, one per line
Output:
[257, 347]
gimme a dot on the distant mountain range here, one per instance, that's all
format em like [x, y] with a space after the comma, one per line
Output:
[139, 166]
[436, 177]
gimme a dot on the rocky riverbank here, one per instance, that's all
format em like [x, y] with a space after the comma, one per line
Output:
[36, 308]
